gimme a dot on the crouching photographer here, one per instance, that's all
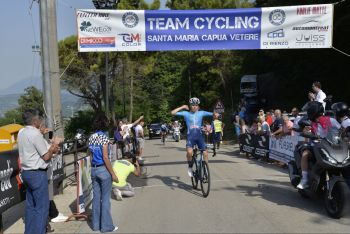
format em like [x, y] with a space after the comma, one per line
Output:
[123, 168]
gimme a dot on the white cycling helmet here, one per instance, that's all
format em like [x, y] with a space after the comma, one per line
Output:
[194, 101]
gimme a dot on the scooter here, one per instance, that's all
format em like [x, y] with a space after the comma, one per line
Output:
[176, 134]
[330, 158]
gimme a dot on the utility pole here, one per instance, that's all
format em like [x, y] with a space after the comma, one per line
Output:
[50, 71]
[54, 69]
[45, 62]
[50, 66]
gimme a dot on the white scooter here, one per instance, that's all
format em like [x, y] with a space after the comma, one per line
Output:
[176, 134]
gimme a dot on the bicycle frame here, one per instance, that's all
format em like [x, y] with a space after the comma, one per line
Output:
[198, 159]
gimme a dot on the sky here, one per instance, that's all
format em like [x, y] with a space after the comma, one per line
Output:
[19, 21]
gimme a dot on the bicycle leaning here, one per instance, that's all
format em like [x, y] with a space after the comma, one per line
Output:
[200, 172]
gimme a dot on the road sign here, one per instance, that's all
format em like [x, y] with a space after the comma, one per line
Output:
[219, 107]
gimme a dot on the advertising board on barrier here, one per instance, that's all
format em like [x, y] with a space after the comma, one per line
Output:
[11, 189]
[256, 145]
[282, 149]
[85, 184]
[307, 26]
[57, 171]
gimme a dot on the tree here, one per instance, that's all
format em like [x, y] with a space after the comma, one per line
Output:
[31, 99]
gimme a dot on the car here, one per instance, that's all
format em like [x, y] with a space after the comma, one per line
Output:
[154, 130]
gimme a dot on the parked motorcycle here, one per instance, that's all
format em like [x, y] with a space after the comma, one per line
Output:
[330, 158]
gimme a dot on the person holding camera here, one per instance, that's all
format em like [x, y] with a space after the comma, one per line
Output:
[35, 156]
[124, 168]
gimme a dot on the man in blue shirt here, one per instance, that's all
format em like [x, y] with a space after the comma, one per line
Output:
[193, 119]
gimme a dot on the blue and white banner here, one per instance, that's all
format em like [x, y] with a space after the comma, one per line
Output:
[307, 26]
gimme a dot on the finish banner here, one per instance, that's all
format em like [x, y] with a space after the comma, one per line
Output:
[292, 27]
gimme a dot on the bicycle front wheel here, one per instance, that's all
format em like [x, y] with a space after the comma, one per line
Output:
[205, 179]
[194, 177]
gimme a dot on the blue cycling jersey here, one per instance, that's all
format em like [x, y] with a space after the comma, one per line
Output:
[194, 119]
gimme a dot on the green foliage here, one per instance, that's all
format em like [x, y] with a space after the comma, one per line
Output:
[82, 120]
[12, 116]
[31, 99]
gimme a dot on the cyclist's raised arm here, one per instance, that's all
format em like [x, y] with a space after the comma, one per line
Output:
[184, 107]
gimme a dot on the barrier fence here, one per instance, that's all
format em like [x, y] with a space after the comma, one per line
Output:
[277, 148]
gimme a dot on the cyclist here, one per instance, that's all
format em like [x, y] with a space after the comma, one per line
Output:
[193, 119]
[163, 130]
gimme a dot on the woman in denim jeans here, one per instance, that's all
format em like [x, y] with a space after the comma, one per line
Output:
[102, 175]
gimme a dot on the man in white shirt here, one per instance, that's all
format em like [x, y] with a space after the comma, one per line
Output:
[140, 138]
[319, 95]
[126, 130]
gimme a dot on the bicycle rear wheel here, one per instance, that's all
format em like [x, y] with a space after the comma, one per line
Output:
[205, 179]
[194, 178]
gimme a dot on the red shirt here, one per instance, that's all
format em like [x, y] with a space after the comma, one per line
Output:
[269, 120]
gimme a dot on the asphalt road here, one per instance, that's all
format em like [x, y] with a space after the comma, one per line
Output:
[247, 196]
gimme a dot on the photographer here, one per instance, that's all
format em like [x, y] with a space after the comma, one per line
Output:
[124, 168]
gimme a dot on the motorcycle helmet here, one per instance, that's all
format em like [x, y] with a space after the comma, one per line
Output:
[340, 109]
[314, 110]
[194, 101]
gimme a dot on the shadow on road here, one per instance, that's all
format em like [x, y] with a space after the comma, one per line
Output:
[185, 162]
[281, 194]
[173, 182]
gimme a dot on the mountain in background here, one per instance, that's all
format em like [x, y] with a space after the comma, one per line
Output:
[9, 97]
[18, 87]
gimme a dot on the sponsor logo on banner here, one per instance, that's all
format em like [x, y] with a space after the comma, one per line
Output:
[311, 28]
[277, 17]
[5, 176]
[91, 42]
[93, 15]
[276, 34]
[310, 39]
[86, 26]
[312, 10]
[130, 39]
[130, 19]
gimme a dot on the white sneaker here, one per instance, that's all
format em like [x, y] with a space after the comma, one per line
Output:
[118, 194]
[189, 172]
[115, 229]
[59, 218]
[303, 184]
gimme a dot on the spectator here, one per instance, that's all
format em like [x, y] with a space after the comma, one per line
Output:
[207, 131]
[296, 119]
[102, 175]
[287, 125]
[124, 168]
[35, 156]
[140, 138]
[126, 128]
[244, 127]
[217, 127]
[237, 126]
[265, 128]
[269, 119]
[320, 96]
[254, 127]
[118, 138]
[242, 112]
[261, 112]
[276, 127]
[54, 215]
